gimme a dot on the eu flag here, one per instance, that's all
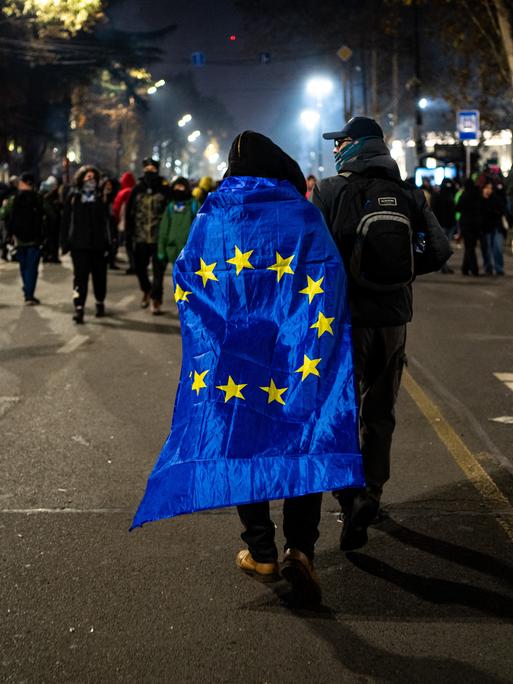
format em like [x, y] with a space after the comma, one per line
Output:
[266, 406]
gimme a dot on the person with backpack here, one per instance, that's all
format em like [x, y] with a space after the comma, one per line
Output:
[176, 222]
[25, 215]
[387, 235]
[146, 206]
[85, 233]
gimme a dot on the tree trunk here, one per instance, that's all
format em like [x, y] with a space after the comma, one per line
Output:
[503, 18]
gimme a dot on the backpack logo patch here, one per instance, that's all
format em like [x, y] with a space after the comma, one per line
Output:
[387, 201]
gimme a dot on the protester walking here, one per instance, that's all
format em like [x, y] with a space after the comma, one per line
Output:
[52, 197]
[442, 204]
[379, 224]
[85, 233]
[109, 188]
[257, 415]
[491, 230]
[146, 206]
[119, 212]
[176, 222]
[25, 216]
[469, 208]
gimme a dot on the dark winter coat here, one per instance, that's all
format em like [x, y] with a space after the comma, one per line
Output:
[145, 208]
[478, 215]
[25, 217]
[370, 308]
[85, 225]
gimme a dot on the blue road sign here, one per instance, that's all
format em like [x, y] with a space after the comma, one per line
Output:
[198, 58]
[467, 123]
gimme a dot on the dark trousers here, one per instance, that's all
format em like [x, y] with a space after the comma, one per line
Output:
[144, 254]
[301, 517]
[469, 265]
[379, 355]
[28, 258]
[88, 262]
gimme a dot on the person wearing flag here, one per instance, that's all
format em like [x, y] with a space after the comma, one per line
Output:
[266, 406]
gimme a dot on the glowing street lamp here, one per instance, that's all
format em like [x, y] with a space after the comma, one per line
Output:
[152, 90]
[186, 118]
[319, 87]
[310, 119]
[194, 136]
[423, 103]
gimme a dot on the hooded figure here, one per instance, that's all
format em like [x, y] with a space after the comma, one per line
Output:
[266, 407]
[176, 221]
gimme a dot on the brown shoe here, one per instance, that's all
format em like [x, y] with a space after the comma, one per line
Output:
[155, 307]
[298, 570]
[145, 301]
[265, 572]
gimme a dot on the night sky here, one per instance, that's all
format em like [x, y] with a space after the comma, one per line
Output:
[266, 98]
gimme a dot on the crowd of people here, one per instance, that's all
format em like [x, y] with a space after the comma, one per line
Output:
[476, 213]
[91, 220]
[386, 233]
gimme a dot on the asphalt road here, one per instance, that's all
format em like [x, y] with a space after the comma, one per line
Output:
[83, 414]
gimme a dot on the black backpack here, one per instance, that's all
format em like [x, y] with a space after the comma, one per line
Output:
[377, 220]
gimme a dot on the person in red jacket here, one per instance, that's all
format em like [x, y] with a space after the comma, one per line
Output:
[119, 211]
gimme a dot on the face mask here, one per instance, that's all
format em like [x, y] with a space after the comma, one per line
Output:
[180, 195]
[348, 152]
[150, 177]
[89, 186]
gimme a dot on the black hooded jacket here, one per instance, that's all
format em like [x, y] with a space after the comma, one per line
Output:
[253, 154]
[369, 308]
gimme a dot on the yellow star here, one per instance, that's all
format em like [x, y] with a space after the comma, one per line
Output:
[199, 382]
[206, 272]
[241, 260]
[281, 266]
[309, 367]
[313, 288]
[231, 389]
[323, 325]
[181, 295]
[274, 393]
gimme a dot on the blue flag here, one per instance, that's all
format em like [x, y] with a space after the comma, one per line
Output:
[266, 406]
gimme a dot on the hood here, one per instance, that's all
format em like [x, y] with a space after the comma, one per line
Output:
[127, 180]
[253, 154]
[374, 155]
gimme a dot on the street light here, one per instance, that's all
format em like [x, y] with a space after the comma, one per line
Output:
[194, 136]
[186, 118]
[423, 103]
[310, 119]
[319, 87]
[152, 90]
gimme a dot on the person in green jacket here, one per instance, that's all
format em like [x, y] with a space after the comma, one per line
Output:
[176, 222]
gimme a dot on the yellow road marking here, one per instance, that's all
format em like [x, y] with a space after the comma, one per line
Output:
[474, 471]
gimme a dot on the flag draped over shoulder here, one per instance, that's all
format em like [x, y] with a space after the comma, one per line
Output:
[266, 405]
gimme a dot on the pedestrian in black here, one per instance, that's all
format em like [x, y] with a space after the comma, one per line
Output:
[470, 207]
[378, 223]
[146, 206]
[85, 233]
[51, 193]
[25, 215]
[442, 204]
[109, 188]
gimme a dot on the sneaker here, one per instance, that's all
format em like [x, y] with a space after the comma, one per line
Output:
[33, 301]
[100, 310]
[356, 521]
[145, 301]
[78, 316]
[298, 570]
[155, 307]
[264, 572]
